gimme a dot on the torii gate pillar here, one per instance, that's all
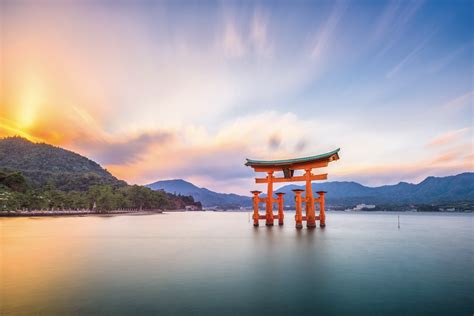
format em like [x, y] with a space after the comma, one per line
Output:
[299, 212]
[256, 200]
[269, 205]
[310, 214]
[322, 211]
[280, 208]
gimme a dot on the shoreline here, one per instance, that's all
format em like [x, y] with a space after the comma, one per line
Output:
[76, 213]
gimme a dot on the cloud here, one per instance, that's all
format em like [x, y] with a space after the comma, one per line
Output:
[217, 159]
[233, 42]
[124, 152]
[394, 22]
[461, 101]
[448, 162]
[323, 37]
[8, 128]
[447, 157]
[410, 56]
[301, 145]
[448, 138]
[259, 33]
[386, 20]
[274, 142]
[446, 60]
[410, 11]
[248, 37]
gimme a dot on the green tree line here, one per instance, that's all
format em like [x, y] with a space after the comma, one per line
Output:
[15, 194]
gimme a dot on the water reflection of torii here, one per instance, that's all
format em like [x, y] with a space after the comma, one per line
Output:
[288, 168]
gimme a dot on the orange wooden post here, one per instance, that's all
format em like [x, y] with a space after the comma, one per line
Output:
[322, 211]
[255, 207]
[269, 206]
[310, 213]
[280, 208]
[299, 215]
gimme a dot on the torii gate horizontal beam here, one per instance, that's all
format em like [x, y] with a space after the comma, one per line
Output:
[300, 166]
[322, 176]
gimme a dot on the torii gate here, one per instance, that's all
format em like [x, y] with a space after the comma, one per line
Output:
[288, 167]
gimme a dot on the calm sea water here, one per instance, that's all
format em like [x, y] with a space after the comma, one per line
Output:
[218, 264]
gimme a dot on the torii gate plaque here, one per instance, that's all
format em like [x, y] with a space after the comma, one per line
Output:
[288, 167]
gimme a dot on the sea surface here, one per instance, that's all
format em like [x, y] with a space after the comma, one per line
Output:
[207, 263]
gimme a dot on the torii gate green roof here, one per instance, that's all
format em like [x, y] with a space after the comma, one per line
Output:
[256, 163]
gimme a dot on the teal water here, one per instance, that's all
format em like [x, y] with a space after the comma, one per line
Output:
[208, 263]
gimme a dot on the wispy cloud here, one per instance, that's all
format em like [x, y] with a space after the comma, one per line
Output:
[461, 101]
[259, 33]
[448, 156]
[394, 23]
[9, 128]
[125, 152]
[233, 41]
[274, 142]
[447, 162]
[448, 137]
[301, 145]
[409, 57]
[410, 11]
[446, 60]
[324, 36]
[386, 20]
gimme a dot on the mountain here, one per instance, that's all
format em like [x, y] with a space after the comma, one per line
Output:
[43, 164]
[207, 197]
[431, 190]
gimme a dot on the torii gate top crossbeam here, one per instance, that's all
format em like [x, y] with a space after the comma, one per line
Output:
[289, 165]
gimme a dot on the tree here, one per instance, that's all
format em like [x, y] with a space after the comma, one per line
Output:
[16, 194]
[15, 181]
[106, 200]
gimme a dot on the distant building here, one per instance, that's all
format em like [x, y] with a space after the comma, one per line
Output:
[360, 207]
[191, 208]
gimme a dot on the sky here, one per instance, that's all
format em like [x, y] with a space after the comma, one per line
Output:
[157, 90]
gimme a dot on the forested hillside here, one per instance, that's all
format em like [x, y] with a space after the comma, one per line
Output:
[44, 164]
[40, 176]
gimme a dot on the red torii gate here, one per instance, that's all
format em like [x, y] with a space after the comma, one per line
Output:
[288, 167]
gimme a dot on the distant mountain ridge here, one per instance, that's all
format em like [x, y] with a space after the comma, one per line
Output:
[207, 197]
[431, 190]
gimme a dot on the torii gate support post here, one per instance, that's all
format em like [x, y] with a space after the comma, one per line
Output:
[256, 200]
[322, 211]
[299, 212]
[310, 212]
[269, 207]
[280, 208]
